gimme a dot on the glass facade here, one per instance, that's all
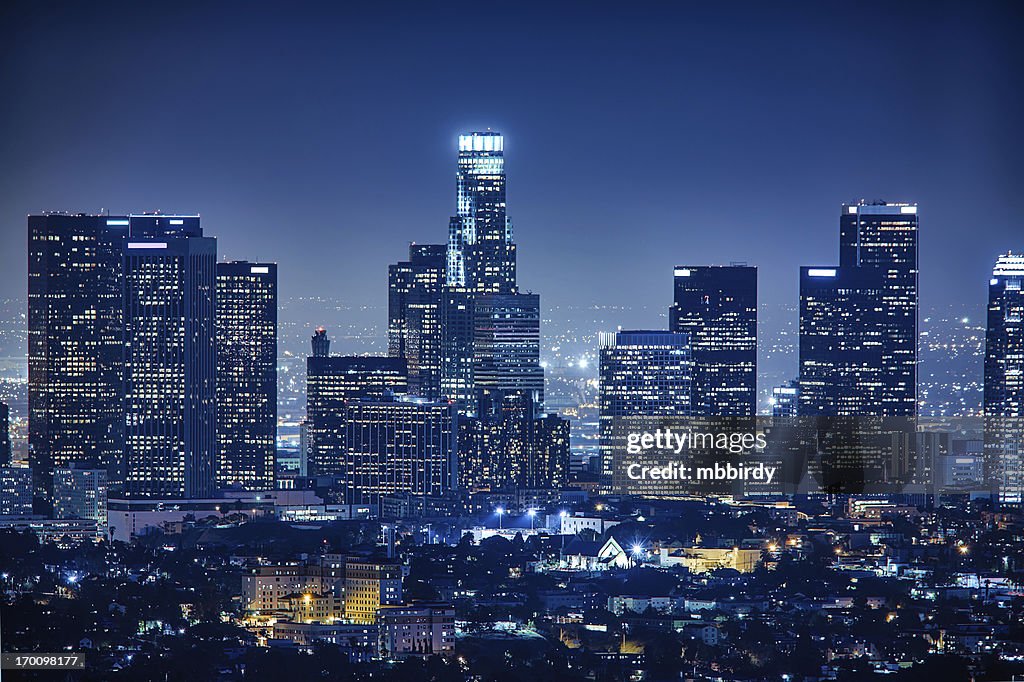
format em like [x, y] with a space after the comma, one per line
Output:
[246, 374]
[506, 344]
[397, 446]
[481, 254]
[508, 445]
[717, 307]
[414, 316]
[858, 321]
[643, 374]
[331, 383]
[1004, 380]
[76, 346]
[170, 356]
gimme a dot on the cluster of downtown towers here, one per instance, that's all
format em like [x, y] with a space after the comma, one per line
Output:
[152, 361]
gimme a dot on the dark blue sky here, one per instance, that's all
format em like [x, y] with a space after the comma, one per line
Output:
[638, 135]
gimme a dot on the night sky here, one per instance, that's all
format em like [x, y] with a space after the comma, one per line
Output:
[323, 136]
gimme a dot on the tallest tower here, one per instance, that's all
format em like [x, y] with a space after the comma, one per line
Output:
[481, 254]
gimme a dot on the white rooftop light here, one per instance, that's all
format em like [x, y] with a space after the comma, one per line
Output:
[1009, 264]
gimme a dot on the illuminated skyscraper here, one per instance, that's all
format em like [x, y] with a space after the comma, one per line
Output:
[369, 585]
[717, 307]
[858, 322]
[331, 383]
[481, 254]
[842, 370]
[883, 237]
[508, 444]
[396, 445]
[246, 374]
[506, 344]
[643, 374]
[170, 356]
[457, 336]
[414, 316]
[75, 346]
[1004, 379]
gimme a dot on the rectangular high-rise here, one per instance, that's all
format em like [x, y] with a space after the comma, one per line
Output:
[858, 321]
[246, 323]
[76, 346]
[717, 307]
[396, 445]
[842, 369]
[1004, 380]
[643, 374]
[414, 316]
[457, 336]
[331, 383]
[506, 344]
[170, 357]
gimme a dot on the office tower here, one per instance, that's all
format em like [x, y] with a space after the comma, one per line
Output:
[75, 346]
[393, 446]
[871, 301]
[457, 336]
[858, 352]
[246, 323]
[490, 334]
[509, 444]
[15, 491]
[321, 343]
[883, 237]
[1004, 380]
[481, 254]
[5, 435]
[80, 493]
[842, 366]
[506, 344]
[414, 316]
[332, 382]
[858, 322]
[643, 374]
[785, 399]
[170, 356]
[717, 307]
[369, 585]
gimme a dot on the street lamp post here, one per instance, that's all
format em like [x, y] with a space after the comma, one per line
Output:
[533, 515]
[500, 511]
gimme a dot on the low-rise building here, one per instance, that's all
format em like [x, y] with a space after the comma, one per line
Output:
[358, 640]
[417, 630]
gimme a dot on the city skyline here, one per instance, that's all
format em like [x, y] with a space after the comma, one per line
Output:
[512, 342]
[924, 130]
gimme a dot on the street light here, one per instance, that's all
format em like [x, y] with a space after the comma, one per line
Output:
[532, 514]
[638, 551]
[500, 510]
